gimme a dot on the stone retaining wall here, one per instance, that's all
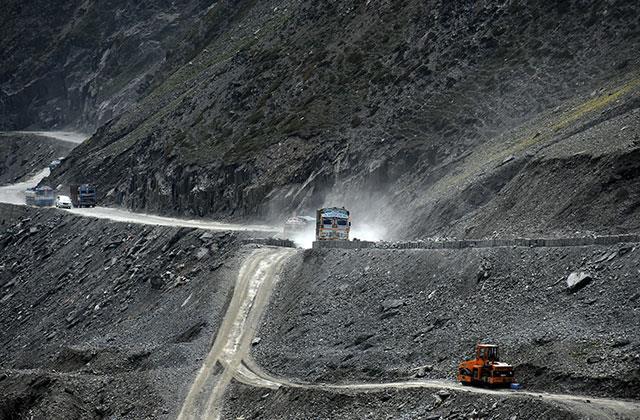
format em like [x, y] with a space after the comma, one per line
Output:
[483, 243]
[270, 241]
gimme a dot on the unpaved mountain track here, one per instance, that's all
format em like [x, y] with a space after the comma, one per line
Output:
[14, 194]
[589, 407]
[121, 215]
[230, 357]
[68, 136]
[256, 279]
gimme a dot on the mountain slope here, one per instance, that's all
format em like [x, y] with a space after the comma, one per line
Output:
[389, 108]
[80, 63]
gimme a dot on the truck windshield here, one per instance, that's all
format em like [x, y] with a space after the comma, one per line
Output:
[342, 222]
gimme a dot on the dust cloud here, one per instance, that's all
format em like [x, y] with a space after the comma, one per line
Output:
[364, 227]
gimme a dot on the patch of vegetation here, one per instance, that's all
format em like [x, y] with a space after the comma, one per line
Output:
[596, 104]
[536, 135]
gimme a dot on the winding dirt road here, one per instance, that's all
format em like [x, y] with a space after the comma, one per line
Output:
[14, 194]
[68, 136]
[230, 357]
[256, 279]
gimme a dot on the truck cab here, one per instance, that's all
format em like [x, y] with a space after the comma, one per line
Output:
[333, 224]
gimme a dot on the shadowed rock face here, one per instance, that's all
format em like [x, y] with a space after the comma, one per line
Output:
[101, 319]
[80, 63]
[424, 113]
[24, 155]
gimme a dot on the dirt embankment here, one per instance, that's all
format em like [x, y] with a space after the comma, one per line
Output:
[24, 155]
[285, 403]
[105, 320]
[369, 315]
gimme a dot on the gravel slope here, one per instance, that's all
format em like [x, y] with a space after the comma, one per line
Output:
[101, 319]
[368, 315]
[24, 155]
[251, 403]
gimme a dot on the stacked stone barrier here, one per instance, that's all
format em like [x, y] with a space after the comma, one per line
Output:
[287, 243]
[483, 243]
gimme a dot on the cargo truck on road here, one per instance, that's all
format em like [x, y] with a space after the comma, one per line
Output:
[333, 224]
[40, 196]
[83, 195]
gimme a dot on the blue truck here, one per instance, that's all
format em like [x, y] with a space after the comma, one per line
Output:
[40, 196]
[83, 195]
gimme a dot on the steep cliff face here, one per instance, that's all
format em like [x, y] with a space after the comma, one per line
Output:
[24, 155]
[419, 112]
[80, 63]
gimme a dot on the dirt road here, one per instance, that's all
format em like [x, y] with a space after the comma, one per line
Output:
[14, 194]
[586, 406]
[68, 136]
[256, 279]
[230, 357]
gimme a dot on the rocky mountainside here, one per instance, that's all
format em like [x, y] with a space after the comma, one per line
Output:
[430, 118]
[79, 63]
[105, 320]
[420, 311]
[24, 155]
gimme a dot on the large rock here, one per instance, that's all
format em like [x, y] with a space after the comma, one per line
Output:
[577, 281]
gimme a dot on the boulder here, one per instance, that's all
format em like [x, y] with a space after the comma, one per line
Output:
[577, 281]
[392, 304]
[201, 253]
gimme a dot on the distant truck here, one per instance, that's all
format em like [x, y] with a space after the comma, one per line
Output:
[40, 196]
[333, 224]
[55, 163]
[298, 225]
[83, 195]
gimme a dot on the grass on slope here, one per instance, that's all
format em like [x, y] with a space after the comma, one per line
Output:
[540, 132]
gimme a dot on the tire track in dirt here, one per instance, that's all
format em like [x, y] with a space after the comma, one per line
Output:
[256, 279]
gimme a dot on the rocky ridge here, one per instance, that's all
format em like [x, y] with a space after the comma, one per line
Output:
[439, 115]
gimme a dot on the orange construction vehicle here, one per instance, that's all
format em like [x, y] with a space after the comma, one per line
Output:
[485, 369]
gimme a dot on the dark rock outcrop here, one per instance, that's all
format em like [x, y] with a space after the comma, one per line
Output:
[425, 118]
[80, 63]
